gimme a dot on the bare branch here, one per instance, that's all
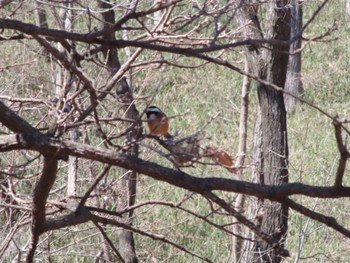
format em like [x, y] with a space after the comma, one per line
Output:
[83, 215]
[3, 3]
[344, 153]
[327, 220]
[12, 121]
[153, 236]
[92, 187]
[41, 193]
[110, 243]
[275, 244]
[178, 178]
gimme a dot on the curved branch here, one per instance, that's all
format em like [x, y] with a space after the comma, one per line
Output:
[83, 215]
[161, 238]
[274, 243]
[344, 153]
[181, 179]
[199, 53]
[327, 220]
[31, 29]
[41, 193]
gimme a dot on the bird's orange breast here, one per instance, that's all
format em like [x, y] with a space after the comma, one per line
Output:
[158, 126]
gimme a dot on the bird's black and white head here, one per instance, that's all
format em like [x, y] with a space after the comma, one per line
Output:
[157, 121]
[154, 112]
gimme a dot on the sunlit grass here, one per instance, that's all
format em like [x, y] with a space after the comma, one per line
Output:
[210, 90]
[313, 152]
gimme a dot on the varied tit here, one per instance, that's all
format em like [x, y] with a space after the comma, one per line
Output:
[157, 121]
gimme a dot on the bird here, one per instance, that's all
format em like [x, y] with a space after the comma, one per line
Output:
[157, 121]
[222, 158]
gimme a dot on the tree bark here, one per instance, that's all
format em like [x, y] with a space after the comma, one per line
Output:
[40, 15]
[63, 83]
[40, 195]
[347, 12]
[237, 243]
[127, 185]
[271, 136]
[293, 81]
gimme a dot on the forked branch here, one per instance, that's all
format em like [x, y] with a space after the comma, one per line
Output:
[344, 153]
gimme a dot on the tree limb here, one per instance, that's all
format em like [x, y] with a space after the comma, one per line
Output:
[344, 153]
[181, 179]
[327, 220]
[41, 193]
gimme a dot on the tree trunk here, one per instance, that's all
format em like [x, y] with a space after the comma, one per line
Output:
[40, 15]
[347, 13]
[127, 185]
[271, 131]
[237, 243]
[63, 82]
[273, 167]
[293, 81]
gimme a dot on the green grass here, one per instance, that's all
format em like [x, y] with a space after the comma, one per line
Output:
[206, 91]
[313, 151]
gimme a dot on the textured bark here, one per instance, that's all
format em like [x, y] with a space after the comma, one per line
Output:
[3, 3]
[347, 12]
[177, 178]
[271, 136]
[127, 185]
[293, 81]
[72, 167]
[63, 83]
[40, 15]
[273, 167]
[237, 243]
[40, 195]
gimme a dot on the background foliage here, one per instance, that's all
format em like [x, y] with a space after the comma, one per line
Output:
[204, 91]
